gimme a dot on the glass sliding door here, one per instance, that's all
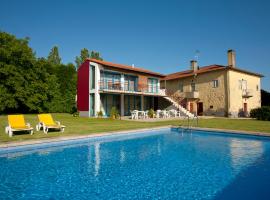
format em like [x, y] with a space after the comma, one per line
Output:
[148, 102]
[110, 80]
[152, 85]
[137, 103]
[108, 101]
[131, 102]
[92, 105]
[131, 83]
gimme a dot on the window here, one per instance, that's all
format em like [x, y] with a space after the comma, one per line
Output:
[244, 84]
[93, 80]
[193, 87]
[240, 84]
[181, 87]
[215, 83]
[211, 107]
[131, 82]
[257, 87]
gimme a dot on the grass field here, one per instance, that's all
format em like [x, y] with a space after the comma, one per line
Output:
[84, 126]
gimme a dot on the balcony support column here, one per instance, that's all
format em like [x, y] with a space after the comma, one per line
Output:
[142, 102]
[122, 105]
[122, 82]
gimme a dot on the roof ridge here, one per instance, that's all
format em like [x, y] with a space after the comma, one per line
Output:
[123, 66]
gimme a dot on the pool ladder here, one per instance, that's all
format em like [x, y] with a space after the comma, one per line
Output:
[189, 123]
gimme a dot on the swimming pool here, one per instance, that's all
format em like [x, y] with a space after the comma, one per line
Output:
[160, 164]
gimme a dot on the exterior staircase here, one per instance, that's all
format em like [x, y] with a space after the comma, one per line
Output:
[183, 111]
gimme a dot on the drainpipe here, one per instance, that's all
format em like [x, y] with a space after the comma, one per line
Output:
[228, 92]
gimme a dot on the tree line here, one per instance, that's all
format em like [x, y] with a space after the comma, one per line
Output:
[29, 84]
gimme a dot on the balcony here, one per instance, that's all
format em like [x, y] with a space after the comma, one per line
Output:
[247, 93]
[118, 87]
[191, 95]
[110, 85]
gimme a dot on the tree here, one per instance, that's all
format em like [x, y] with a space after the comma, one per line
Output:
[54, 57]
[83, 56]
[28, 84]
[16, 68]
[67, 78]
[265, 98]
[95, 55]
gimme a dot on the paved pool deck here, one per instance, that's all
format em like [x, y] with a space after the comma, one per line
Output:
[78, 137]
[128, 118]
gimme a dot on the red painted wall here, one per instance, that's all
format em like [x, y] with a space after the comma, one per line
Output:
[83, 87]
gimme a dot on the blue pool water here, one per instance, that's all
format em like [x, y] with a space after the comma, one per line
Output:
[161, 164]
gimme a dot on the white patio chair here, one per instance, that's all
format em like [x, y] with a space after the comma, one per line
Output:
[146, 114]
[158, 113]
[172, 113]
[166, 114]
[141, 114]
[134, 114]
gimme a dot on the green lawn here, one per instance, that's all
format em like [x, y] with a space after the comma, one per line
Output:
[83, 126]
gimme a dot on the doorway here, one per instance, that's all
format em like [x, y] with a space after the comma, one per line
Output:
[245, 108]
[200, 108]
[191, 107]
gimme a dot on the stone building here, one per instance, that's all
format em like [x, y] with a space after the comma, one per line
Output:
[216, 89]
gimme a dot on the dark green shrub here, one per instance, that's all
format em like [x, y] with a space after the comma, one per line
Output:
[100, 114]
[262, 113]
[114, 114]
[254, 112]
[151, 113]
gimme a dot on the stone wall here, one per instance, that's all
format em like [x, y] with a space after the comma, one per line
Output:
[213, 99]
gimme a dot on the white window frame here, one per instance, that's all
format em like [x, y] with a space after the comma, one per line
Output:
[181, 87]
[215, 83]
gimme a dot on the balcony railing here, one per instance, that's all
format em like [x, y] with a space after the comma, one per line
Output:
[247, 93]
[110, 85]
[191, 95]
[140, 88]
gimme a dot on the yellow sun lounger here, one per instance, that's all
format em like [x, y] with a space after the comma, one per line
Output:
[17, 123]
[46, 122]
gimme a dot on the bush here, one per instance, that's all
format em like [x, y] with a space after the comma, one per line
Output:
[100, 114]
[151, 113]
[262, 113]
[114, 114]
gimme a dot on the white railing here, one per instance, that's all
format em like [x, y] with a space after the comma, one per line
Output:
[192, 95]
[247, 93]
[162, 92]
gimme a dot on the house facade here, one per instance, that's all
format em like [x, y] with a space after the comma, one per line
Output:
[103, 85]
[215, 90]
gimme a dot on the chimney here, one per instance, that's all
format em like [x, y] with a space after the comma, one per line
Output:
[231, 58]
[194, 65]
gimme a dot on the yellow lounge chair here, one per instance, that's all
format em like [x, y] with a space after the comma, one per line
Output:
[17, 123]
[46, 122]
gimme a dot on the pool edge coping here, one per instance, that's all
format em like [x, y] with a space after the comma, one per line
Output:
[231, 131]
[78, 137]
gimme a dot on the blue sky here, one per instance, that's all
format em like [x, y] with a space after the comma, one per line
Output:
[162, 36]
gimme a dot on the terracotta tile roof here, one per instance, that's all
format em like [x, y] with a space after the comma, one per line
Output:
[188, 73]
[205, 69]
[126, 67]
[245, 71]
